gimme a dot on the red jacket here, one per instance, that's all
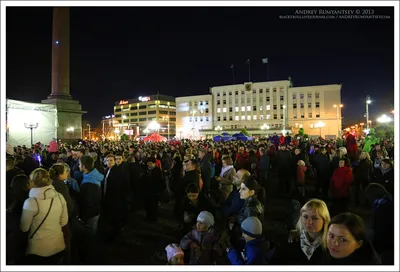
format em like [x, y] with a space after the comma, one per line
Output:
[341, 181]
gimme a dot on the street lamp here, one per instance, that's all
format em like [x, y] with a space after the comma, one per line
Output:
[31, 126]
[264, 127]
[70, 130]
[146, 130]
[367, 102]
[154, 126]
[218, 128]
[337, 117]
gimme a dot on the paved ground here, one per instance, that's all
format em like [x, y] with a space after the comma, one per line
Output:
[144, 242]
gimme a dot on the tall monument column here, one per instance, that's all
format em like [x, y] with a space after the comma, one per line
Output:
[69, 111]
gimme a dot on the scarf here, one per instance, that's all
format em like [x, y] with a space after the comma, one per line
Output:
[225, 169]
[306, 246]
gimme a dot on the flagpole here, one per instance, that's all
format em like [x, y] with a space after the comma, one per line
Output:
[233, 74]
[248, 62]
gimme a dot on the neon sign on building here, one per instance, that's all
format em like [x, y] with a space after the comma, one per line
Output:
[144, 98]
[123, 102]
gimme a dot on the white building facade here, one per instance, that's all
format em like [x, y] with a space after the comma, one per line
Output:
[262, 108]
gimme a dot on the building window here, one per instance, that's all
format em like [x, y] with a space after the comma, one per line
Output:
[261, 108]
[218, 102]
[248, 117]
[224, 94]
[260, 90]
[301, 105]
[309, 105]
[243, 108]
[274, 90]
[236, 118]
[218, 94]
[294, 106]
[301, 96]
[254, 91]
[316, 95]
[230, 109]
[224, 102]
[195, 119]
[206, 110]
[218, 110]
[275, 107]
[172, 119]
[142, 119]
[267, 98]
[206, 102]
[163, 112]
[230, 118]
[309, 115]
[317, 115]
[224, 110]
[242, 92]
[236, 92]
[142, 113]
[142, 107]
[224, 118]
[151, 112]
[117, 115]
[207, 119]
[281, 116]
[254, 117]
[261, 117]
[219, 118]
[275, 116]
[151, 119]
[134, 120]
[309, 95]
[268, 116]
[117, 110]
[294, 116]
[302, 115]
[268, 107]
[294, 96]
[236, 109]
[317, 104]
[172, 113]
[201, 119]
[281, 97]
[254, 108]
[230, 93]
[201, 103]
[243, 117]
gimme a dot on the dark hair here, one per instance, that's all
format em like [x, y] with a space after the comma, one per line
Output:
[259, 191]
[353, 223]
[119, 154]
[194, 162]
[88, 162]
[251, 153]
[56, 170]
[151, 159]
[192, 188]
[346, 161]
[387, 161]
[19, 182]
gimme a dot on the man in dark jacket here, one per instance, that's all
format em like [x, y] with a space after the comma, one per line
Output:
[152, 187]
[205, 166]
[263, 167]
[11, 172]
[90, 193]
[191, 174]
[322, 165]
[283, 162]
[115, 189]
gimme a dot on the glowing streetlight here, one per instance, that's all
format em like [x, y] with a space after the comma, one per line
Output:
[384, 119]
[367, 102]
[154, 126]
[70, 129]
[146, 130]
[319, 125]
[218, 128]
[264, 127]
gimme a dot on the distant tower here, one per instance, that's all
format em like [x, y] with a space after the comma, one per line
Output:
[69, 111]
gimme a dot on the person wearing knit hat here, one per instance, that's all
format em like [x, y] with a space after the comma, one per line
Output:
[257, 249]
[205, 220]
[175, 254]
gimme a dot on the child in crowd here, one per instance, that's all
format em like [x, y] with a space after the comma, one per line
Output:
[175, 254]
[203, 241]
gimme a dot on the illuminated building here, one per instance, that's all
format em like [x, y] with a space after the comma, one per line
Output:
[262, 108]
[132, 116]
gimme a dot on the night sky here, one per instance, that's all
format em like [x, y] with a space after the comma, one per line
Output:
[123, 53]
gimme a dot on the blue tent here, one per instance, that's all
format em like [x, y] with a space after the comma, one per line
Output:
[241, 137]
[217, 138]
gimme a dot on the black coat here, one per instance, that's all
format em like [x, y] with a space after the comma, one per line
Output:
[115, 197]
[283, 160]
[252, 207]
[190, 177]
[387, 180]
[323, 166]
[203, 205]
[63, 189]
[365, 255]
[292, 254]
[153, 182]
[363, 173]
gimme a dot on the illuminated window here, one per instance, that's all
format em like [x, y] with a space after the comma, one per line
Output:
[301, 125]
[236, 118]
[218, 110]
[224, 110]
[294, 116]
[243, 108]
[237, 109]
[268, 107]
[309, 105]
[243, 117]
[248, 108]
[261, 108]
[261, 117]
[268, 116]
[248, 117]
[309, 115]
[254, 117]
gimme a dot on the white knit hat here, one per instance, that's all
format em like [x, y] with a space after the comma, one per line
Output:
[206, 218]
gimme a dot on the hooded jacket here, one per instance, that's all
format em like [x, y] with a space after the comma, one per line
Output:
[49, 239]
[90, 196]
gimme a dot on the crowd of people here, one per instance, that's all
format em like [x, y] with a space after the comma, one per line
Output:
[62, 198]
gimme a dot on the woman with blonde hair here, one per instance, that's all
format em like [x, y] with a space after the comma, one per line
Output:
[307, 243]
[43, 216]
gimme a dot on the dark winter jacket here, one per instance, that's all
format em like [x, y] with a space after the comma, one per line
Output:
[283, 160]
[363, 172]
[90, 196]
[263, 165]
[252, 207]
[292, 254]
[209, 248]
[205, 166]
[193, 211]
[116, 189]
[63, 189]
[255, 253]
[323, 167]
[387, 180]
[365, 255]
[190, 177]
[232, 205]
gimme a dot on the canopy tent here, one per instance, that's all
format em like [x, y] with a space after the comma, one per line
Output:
[241, 137]
[155, 138]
